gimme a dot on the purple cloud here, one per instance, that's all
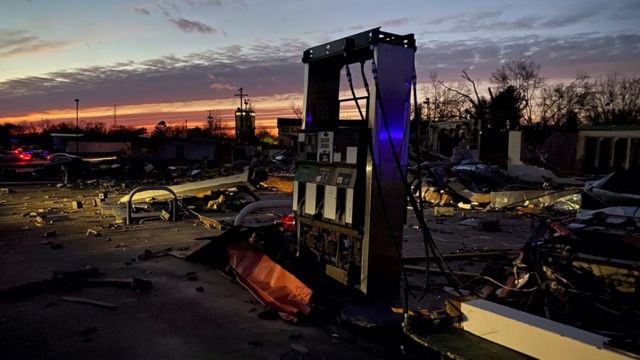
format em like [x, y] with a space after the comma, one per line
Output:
[20, 42]
[142, 10]
[193, 26]
[268, 69]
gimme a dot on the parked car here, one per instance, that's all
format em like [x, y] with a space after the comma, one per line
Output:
[17, 155]
[58, 162]
[59, 158]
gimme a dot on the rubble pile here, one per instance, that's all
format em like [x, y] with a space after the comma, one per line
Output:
[583, 271]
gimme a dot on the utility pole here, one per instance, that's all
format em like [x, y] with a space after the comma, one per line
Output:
[77, 125]
[241, 95]
[427, 102]
[115, 121]
[243, 115]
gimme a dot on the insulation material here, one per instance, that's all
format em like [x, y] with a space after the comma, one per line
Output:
[274, 286]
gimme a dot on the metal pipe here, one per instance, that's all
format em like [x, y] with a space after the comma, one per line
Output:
[174, 200]
[259, 205]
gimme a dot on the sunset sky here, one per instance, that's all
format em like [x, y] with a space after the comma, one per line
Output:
[175, 59]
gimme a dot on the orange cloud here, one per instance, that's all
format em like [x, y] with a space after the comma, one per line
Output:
[267, 108]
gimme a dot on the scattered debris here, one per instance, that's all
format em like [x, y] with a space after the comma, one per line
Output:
[94, 233]
[148, 254]
[443, 211]
[82, 300]
[209, 222]
[541, 198]
[90, 202]
[49, 234]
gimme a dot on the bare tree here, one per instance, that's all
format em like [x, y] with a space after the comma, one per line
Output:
[560, 102]
[524, 75]
[95, 127]
[26, 127]
[479, 104]
[215, 126]
[615, 100]
[44, 125]
[296, 109]
[444, 103]
[180, 130]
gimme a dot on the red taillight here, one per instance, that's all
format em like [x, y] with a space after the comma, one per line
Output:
[288, 223]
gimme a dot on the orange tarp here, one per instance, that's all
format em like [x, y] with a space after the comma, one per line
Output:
[274, 286]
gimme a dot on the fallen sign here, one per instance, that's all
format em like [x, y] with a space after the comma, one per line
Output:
[191, 189]
[270, 283]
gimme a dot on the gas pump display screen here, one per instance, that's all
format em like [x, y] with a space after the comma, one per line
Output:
[346, 179]
[306, 173]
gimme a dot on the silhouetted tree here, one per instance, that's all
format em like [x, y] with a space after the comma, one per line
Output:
[196, 132]
[215, 127]
[614, 100]
[44, 125]
[561, 103]
[296, 109]
[63, 127]
[444, 103]
[479, 105]
[126, 132]
[95, 128]
[524, 76]
[160, 130]
[504, 109]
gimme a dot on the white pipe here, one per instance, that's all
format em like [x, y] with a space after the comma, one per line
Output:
[259, 205]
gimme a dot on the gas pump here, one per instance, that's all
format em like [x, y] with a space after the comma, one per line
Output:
[349, 196]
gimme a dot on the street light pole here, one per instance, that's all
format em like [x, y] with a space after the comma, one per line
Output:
[77, 125]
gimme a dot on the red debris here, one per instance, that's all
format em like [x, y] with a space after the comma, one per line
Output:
[274, 286]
